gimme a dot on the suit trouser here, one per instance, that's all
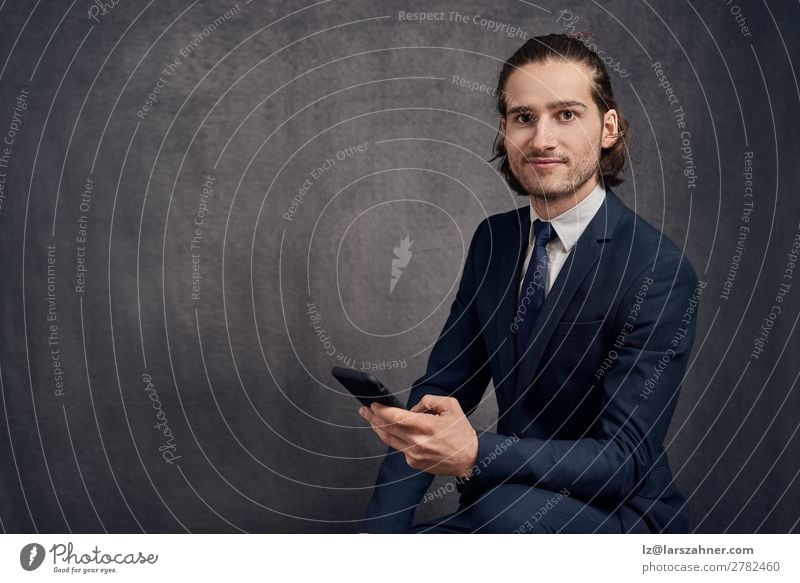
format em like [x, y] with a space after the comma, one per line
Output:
[516, 508]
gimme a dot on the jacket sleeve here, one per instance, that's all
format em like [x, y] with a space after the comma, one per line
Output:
[458, 367]
[639, 392]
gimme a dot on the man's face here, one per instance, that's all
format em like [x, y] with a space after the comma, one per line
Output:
[554, 130]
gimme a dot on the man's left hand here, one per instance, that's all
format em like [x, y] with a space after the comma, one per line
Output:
[434, 435]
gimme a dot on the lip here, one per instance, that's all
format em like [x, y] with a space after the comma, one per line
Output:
[544, 162]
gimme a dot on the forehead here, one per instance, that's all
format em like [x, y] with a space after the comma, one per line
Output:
[537, 84]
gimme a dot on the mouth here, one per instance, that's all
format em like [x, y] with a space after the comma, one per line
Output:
[544, 163]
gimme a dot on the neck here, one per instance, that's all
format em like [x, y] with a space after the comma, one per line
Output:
[548, 208]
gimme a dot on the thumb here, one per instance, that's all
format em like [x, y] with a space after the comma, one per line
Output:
[432, 404]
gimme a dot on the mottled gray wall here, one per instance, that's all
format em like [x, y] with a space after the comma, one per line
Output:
[261, 439]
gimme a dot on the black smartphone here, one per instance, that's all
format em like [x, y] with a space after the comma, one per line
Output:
[365, 387]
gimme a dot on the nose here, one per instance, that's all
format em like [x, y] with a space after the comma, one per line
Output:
[543, 138]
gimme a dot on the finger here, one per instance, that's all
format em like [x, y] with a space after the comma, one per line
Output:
[427, 408]
[420, 407]
[378, 406]
[394, 415]
[375, 419]
[385, 431]
[423, 404]
[391, 439]
[386, 410]
[433, 404]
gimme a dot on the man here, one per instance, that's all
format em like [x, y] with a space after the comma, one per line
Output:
[576, 309]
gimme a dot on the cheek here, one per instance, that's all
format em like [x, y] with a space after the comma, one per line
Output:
[514, 144]
[582, 138]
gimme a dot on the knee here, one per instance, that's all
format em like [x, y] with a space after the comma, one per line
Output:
[511, 509]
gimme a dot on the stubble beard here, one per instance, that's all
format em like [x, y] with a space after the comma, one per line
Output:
[542, 189]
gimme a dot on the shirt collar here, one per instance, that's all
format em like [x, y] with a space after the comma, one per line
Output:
[570, 224]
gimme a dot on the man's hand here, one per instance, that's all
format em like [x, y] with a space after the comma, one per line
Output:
[435, 435]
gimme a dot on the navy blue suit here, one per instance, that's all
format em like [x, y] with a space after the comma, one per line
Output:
[585, 409]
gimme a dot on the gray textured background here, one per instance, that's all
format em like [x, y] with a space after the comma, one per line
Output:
[266, 442]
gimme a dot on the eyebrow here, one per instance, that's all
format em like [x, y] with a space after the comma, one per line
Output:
[552, 105]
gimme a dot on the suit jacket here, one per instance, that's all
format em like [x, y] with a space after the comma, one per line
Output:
[587, 405]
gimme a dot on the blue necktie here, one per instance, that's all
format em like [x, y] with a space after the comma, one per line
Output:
[531, 296]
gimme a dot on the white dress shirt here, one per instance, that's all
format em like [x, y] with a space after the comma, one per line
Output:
[568, 226]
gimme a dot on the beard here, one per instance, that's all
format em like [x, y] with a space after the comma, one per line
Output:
[550, 185]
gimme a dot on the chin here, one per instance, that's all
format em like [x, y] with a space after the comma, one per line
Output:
[551, 194]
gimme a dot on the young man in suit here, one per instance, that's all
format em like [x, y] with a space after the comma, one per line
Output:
[581, 313]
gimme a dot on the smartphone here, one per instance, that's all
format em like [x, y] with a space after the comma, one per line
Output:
[365, 387]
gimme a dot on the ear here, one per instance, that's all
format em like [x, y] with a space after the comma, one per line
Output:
[610, 129]
[503, 125]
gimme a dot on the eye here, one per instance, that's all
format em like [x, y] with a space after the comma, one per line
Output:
[568, 112]
[525, 117]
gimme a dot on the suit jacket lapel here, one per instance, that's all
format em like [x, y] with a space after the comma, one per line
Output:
[507, 279]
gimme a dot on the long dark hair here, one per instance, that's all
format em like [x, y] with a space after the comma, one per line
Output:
[566, 48]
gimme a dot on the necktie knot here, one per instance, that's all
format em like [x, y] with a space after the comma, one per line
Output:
[543, 232]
